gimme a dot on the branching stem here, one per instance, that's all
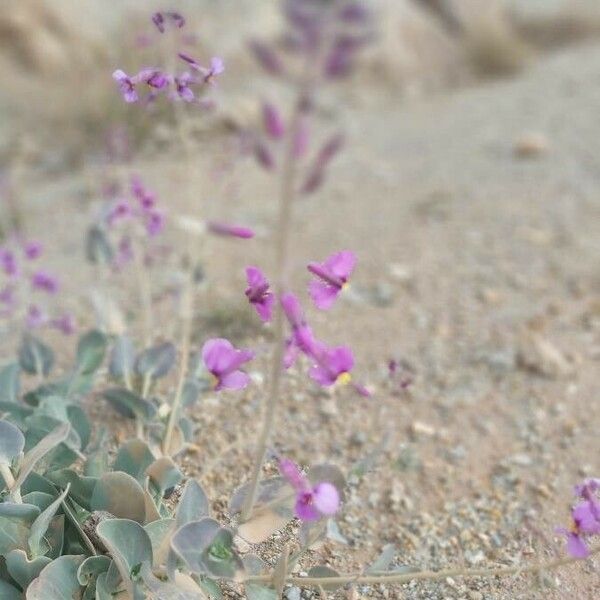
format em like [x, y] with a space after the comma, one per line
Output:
[284, 222]
[397, 578]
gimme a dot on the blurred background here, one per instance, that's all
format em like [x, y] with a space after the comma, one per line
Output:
[468, 189]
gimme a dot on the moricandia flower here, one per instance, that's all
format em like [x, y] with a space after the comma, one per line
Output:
[32, 249]
[312, 501]
[302, 338]
[126, 86]
[217, 67]
[331, 278]
[273, 121]
[41, 280]
[160, 19]
[585, 519]
[230, 230]
[258, 293]
[332, 366]
[223, 361]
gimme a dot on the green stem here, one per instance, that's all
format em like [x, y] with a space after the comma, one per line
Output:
[284, 222]
[9, 479]
[397, 578]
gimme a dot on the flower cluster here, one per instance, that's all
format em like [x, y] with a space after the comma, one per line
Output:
[312, 501]
[329, 365]
[134, 216]
[585, 518]
[185, 85]
[328, 35]
[27, 287]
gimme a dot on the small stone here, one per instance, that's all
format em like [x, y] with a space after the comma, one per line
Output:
[531, 145]
[293, 593]
[419, 428]
[539, 355]
[475, 595]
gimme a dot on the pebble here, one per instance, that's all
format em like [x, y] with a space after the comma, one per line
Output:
[292, 593]
[531, 145]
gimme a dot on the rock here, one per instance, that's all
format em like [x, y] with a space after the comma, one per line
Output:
[421, 429]
[531, 145]
[292, 593]
[539, 355]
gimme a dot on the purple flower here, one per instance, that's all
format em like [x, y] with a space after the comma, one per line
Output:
[35, 317]
[182, 85]
[32, 249]
[65, 324]
[44, 281]
[160, 18]
[155, 222]
[312, 502]
[119, 211]
[154, 78]
[126, 86]
[8, 261]
[332, 277]
[223, 361]
[273, 121]
[332, 366]
[146, 198]
[258, 293]
[316, 173]
[230, 230]
[585, 519]
[302, 338]
[217, 66]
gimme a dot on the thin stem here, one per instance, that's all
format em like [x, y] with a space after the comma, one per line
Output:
[427, 575]
[187, 311]
[145, 292]
[8, 477]
[284, 223]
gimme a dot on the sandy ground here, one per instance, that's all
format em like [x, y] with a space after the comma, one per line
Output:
[480, 270]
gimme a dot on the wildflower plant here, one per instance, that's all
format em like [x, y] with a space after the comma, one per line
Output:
[29, 292]
[83, 518]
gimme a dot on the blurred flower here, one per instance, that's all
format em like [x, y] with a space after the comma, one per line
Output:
[332, 277]
[258, 293]
[585, 519]
[126, 86]
[217, 67]
[273, 121]
[316, 173]
[230, 230]
[32, 249]
[302, 338]
[268, 59]
[65, 324]
[35, 318]
[42, 280]
[161, 18]
[222, 360]
[312, 502]
[8, 261]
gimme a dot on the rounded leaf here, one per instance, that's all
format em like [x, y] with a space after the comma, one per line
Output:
[120, 495]
[57, 581]
[12, 442]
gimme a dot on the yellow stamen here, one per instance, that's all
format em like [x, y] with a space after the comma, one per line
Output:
[214, 380]
[344, 378]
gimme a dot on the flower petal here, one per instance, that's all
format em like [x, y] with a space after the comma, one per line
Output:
[322, 294]
[326, 498]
